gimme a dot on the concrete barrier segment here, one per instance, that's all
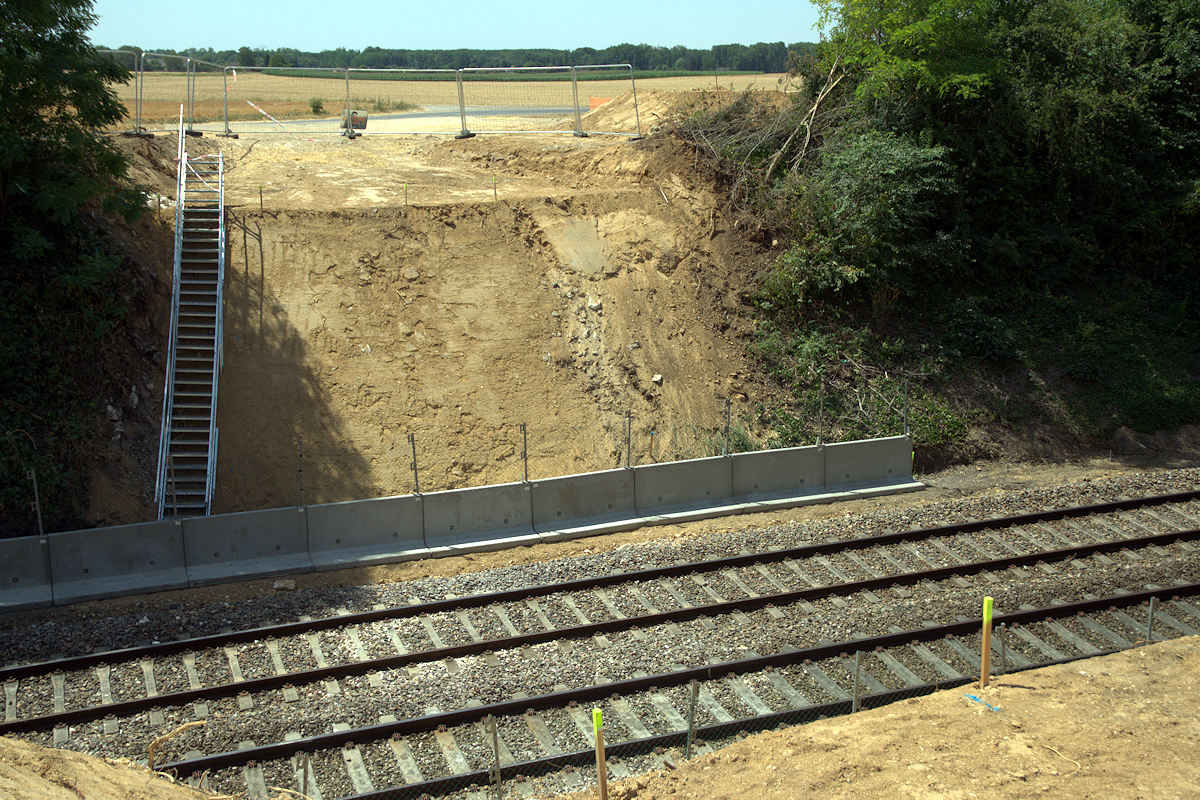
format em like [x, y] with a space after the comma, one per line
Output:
[584, 505]
[25, 573]
[683, 485]
[476, 519]
[869, 462]
[96, 563]
[356, 533]
[247, 544]
[773, 474]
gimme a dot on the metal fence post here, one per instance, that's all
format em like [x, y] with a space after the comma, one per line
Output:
[695, 690]
[300, 450]
[628, 438]
[462, 108]
[854, 703]
[636, 114]
[139, 82]
[525, 452]
[349, 124]
[575, 94]
[37, 501]
[412, 441]
[821, 413]
[1150, 620]
[225, 96]
[1000, 631]
[906, 406]
[174, 489]
[725, 450]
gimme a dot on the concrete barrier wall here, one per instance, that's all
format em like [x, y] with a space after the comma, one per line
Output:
[252, 543]
[869, 462]
[683, 485]
[482, 518]
[25, 573]
[771, 474]
[95, 563]
[361, 532]
[106, 562]
[577, 505]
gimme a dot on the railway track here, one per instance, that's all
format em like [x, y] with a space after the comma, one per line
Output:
[247, 673]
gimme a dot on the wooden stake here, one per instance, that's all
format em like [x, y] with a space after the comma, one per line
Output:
[601, 763]
[985, 662]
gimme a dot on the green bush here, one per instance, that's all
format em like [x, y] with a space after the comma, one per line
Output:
[317, 105]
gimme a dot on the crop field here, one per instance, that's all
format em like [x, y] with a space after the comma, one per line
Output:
[290, 97]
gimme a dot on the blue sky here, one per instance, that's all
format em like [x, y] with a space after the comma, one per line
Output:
[445, 24]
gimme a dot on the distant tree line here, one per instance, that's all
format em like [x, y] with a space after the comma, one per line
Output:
[759, 57]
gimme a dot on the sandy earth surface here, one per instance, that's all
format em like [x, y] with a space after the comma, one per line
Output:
[455, 290]
[1121, 726]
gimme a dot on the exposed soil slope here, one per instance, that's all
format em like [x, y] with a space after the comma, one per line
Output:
[456, 289]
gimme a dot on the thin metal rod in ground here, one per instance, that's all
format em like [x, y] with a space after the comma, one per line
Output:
[857, 683]
[695, 689]
[1150, 620]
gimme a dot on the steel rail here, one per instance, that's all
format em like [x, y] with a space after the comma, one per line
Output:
[709, 672]
[640, 747]
[267, 683]
[653, 573]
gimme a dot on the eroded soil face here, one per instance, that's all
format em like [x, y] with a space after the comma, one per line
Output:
[456, 289]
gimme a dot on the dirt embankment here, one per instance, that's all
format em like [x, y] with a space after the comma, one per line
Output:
[1118, 726]
[457, 289]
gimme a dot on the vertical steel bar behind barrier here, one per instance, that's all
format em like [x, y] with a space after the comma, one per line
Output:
[628, 439]
[525, 453]
[906, 406]
[189, 70]
[412, 441]
[37, 501]
[725, 451]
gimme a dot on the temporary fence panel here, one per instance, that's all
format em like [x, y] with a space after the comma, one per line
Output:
[607, 96]
[407, 100]
[165, 85]
[291, 100]
[518, 99]
[130, 94]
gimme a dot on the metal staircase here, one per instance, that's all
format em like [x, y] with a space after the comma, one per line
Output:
[188, 445]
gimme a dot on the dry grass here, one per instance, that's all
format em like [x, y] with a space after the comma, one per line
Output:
[288, 97]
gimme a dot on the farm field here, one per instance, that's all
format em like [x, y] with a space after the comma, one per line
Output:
[289, 97]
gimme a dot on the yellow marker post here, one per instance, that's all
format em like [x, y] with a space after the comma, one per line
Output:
[985, 664]
[601, 764]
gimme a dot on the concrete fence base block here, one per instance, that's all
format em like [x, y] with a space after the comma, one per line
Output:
[871, 462]
[771, 474]
[110, 562]
[683, 485]
[25, 573]
[363, 532]
[583, 505]
[248, 544]
[478, 519]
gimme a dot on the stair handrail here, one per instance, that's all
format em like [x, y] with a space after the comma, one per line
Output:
[218, 333]
[160, 483]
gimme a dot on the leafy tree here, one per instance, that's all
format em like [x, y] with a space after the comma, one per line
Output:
[55, 289]
[245, 57]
